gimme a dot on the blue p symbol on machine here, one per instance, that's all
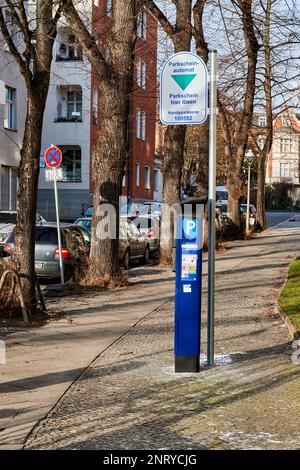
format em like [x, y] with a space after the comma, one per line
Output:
[189, 240]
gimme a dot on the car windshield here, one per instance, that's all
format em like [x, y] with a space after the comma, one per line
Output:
[8, 218]
[223, 209]
[152, 207]
[87, 224]
[43, 236]
[89, 212]
[222, 195]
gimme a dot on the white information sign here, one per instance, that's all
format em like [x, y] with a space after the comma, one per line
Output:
[184, 90]
[55, 174]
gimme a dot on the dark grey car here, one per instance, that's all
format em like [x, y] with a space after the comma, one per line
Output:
[75, 247]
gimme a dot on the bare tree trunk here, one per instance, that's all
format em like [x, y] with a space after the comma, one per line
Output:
[109, 164]
[115, 82]
[173, 163]
[28, 175]
[35, 64]
[181, 35]
[238, 145]
[260, 203]
[203, 133]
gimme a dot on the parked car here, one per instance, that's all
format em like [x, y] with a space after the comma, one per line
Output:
[253, 214]
[243, 210]
[132, 208]
[75, 247]
[149, 226]
[154, 208]
[85, 222]
[8, 220]
[221, 195]
[133, 245]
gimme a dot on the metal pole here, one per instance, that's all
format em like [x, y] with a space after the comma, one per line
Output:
[212, 207]
[61, 266]
[248, 200]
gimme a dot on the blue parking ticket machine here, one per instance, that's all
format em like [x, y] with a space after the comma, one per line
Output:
[189, 244]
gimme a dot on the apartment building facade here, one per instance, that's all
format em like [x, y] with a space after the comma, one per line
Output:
[67, 124]
[284, 159]
[13, 99]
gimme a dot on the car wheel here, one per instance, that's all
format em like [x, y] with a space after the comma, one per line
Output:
[126, 259]
[145, 259]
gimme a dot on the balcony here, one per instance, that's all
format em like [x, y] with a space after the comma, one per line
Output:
[67, 46]
[76, 117]
[69, 104]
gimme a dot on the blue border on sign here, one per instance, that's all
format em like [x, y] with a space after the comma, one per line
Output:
[206, 94]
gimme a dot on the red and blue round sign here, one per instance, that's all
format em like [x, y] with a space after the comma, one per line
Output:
[53, 157]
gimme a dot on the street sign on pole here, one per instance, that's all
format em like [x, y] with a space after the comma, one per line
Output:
[54, 174]
[213, 111]
[53, 158]
[183, 90]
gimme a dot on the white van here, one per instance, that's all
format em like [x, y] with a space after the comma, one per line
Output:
[221, 195]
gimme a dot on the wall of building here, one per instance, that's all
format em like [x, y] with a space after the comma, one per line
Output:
[284, 160]
[10, 140]
[70, 72]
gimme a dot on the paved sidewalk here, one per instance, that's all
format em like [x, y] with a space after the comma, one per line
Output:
[42, 363]
[129, 398]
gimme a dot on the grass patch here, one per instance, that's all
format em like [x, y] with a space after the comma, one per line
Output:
[289, 299]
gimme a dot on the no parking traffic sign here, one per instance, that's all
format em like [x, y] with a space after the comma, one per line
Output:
[53, 157]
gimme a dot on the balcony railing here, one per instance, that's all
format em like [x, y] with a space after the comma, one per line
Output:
[69, 58]
[71, 178]
[68, 119]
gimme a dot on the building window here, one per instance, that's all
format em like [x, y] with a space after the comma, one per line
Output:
[156, 178]
[147, 177]
[71, 164]
[10, 118]
[95, 106]
[261, 142]
[143, 133]
[286, 119]
[69, 48]
[262, 121]
[142, 25]
[107, 53]
[285, 145]
[141, 124]
[137, 174]
[141, 70]
[12, 29]
[138, 123]
[286, 170]
[109, 8]
[74, 106]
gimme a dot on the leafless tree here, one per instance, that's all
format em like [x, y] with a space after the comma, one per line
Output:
[180, 34]
[29, 36]
[115, 82]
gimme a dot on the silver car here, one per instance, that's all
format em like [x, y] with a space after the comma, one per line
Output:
[150, 228]
[133, 244]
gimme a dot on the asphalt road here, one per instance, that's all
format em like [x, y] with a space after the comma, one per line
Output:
[275, 218]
